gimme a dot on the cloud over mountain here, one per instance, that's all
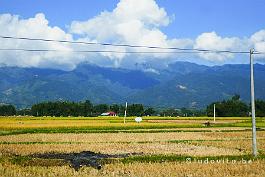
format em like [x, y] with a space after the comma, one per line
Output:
[131, 22]
[258, 41]
[212, 41]
[36, 27]
[134, 22]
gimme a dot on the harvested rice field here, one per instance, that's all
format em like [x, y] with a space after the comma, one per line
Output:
[104, 146]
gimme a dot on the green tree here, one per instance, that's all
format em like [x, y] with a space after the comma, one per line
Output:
[121, 110]
[135, 110]
[7, 110]
[115, 108]
[101, 108]
[171, 112]
[24, 112]
[260, 108]
[149, 112]
[85, 108]
[233, 107]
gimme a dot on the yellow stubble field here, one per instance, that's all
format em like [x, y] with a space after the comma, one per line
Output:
[154, 147]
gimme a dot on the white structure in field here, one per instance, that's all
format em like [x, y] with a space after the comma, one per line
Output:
[138, 119]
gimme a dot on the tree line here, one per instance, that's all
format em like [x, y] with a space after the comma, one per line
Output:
[66, 108]
[233, 107]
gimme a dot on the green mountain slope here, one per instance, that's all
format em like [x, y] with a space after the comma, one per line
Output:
[181, 84]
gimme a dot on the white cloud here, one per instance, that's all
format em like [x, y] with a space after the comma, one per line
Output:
[182, 87]
[212, 41]
[134, 22]
[36, 27]
[128, 13]
[146, 11]
[258, 41]
[258, 36]
[151, 70]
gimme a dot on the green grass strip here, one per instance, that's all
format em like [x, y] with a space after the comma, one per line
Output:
[28, 143]
[125, 142]
[31, 161]
[101, 130]
[189, 159]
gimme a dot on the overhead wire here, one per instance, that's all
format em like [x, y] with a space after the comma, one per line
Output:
[100, 51]
[190, 50]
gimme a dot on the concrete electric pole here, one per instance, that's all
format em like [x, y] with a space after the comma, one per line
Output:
[125, 112]
[254, 138]
[214, 113]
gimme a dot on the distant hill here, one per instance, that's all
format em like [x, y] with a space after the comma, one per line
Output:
[203, 85]
[181, 84]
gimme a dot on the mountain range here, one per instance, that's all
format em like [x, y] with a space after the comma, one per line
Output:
[180, 84]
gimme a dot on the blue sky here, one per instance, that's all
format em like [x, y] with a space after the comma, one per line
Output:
[227, 17]
[228, 25]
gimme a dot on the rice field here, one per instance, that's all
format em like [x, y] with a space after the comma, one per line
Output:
[158, 146]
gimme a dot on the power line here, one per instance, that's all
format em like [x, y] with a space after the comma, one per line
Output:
[130, 46]
[101, 51]
[259, 53]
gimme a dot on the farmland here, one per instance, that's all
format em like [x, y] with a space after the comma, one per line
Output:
[158, 146]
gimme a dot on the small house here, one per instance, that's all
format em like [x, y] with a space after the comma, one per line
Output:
[109, 114]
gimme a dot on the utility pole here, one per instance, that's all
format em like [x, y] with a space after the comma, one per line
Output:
[214, 113]
[125, 112]
[254, 138]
